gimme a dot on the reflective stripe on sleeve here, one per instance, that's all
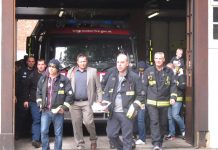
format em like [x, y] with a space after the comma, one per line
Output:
[179, 99]
[173, 94]
[67, 104]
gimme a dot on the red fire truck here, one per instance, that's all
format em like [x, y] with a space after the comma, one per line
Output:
[100, 40]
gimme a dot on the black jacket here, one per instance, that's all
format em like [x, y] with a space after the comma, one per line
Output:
[181, 85]
[131, 89]
[160, 86]
[31, 87]
[181, 60]
[21, 83]
[62, 91]
[106, 76]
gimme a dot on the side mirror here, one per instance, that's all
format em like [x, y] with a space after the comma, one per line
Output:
[30, 45]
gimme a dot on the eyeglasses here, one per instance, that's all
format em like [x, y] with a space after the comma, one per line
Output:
[52, 66]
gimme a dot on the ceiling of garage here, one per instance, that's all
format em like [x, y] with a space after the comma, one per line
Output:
[40, 9]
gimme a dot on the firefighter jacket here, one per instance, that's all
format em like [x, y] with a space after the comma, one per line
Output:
[131, 89]
[160, 86]
[181, 84]
[62, 92]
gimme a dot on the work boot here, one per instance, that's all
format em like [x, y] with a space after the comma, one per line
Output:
[133, 145]
[36, 144]
[80, 147]
[111, 145]
[183, 135]
[170, 137]
[157, 148]
[93, 146]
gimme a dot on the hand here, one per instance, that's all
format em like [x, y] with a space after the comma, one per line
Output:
[172, 101]
[136, 106]
[15, 99]
[99, 101]
[39, 104]
[180, 72]
[65, 108]
[61, 111]
[26, 104]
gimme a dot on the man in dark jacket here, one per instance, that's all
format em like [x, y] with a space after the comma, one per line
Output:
[141, 119]
[30, 101]
[22, 115]
[124, 91]
[160, 88]
[54, 96]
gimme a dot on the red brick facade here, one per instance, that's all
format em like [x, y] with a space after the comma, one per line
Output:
[24, 29]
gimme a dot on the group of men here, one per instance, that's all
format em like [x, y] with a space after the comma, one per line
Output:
[49, 94]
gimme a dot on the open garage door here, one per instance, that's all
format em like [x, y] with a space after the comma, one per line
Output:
[45, 9]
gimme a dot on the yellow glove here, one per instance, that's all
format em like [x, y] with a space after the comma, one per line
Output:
[132, 112]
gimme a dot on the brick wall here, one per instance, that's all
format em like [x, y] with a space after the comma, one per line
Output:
[24, 29]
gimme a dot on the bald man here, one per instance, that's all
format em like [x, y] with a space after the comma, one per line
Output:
[124, 91]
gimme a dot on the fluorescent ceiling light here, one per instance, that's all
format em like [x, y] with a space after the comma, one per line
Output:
[61, 12]
[153, 14]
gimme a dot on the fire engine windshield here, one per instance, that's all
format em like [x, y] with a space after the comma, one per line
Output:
[101, 52]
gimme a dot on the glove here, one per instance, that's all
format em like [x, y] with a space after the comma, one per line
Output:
[133, 109]
[132, 112]
[39, 104]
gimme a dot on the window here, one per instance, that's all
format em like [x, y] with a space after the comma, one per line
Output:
[215, 14]
[215, 31]
[215, 22]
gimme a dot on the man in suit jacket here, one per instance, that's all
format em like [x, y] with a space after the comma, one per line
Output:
[87, 88]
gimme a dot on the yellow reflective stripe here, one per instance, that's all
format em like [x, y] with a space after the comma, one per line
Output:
[163, 103]
[67, 104]
[111, 90]
[158, 103]
[152, 82]
[151, 102]
[180, 99]
[173, 94]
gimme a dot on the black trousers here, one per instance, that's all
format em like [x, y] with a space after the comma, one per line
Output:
[158, 124]
[22, 120]
[118, 122]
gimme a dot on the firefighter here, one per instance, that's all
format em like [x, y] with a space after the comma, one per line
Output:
[160, 92]
[124, 91]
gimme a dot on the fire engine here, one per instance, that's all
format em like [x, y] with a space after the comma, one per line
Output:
[100, 40]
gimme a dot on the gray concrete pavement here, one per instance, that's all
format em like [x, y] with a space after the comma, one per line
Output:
[68, 144]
